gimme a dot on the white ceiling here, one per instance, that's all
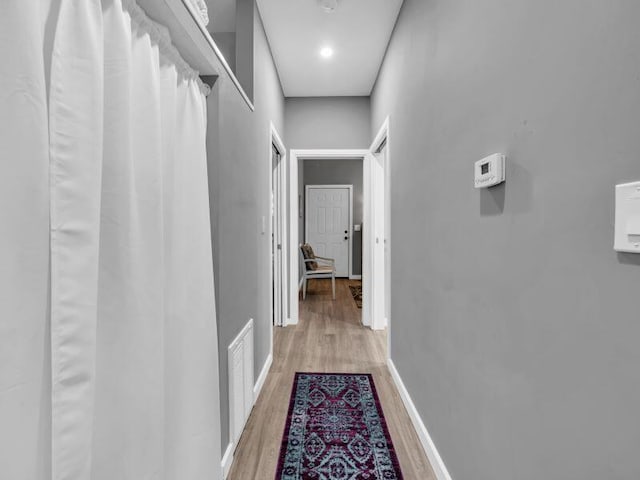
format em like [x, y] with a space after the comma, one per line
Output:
[358, 31]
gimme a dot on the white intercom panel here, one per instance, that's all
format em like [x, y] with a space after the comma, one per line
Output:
[490, 171]
[627, 229]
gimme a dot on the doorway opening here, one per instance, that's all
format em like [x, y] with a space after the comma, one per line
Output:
[372, 275]
[332, 211]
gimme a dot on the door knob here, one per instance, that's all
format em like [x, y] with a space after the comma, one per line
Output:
[346, 238]
[346, 231]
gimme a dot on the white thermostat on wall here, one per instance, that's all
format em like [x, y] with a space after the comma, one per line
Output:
[627, 229]
[490, 171]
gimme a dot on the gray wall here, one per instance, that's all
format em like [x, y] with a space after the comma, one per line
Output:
[239, 145]
[328, 122]
[232, 28]
[339, 172]
[515, 326]
[246, 16]
[226, 42]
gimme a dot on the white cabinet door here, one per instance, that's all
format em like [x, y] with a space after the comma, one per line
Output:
[328, 223]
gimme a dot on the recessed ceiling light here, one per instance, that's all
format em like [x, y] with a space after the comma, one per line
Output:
[326, 52]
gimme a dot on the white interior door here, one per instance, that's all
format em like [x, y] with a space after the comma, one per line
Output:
[328, 220]
[277, 238]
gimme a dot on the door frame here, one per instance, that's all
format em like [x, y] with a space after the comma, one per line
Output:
[379, 320]
[281, 171]
[306, 215]
[294, 267]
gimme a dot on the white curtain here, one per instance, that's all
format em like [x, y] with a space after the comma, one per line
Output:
[25, 359]
[116, 160]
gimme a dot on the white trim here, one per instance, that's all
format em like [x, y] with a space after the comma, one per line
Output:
[278, 140]
[378, 319]
[368, 237]
[349, 223]
[439, 468]
[355, 277]
[294, 156]
[244, 340]
[329, 154]
[274, 138]
[270, 232]
[227, 460]
[292, 251]
[241, 335]
[262, 378]
[381, 136]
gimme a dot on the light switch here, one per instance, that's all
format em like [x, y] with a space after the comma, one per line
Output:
[627, 226]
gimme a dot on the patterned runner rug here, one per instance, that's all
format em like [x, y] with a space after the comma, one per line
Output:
[356, 293]
[336, 431]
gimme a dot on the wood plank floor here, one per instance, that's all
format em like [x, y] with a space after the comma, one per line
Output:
[328, 338]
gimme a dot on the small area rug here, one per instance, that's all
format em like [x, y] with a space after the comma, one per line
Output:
[336, 431]
[356, 293]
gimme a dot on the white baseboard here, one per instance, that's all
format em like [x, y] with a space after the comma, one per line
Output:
[355, 277]
[227, 460]
[261, 379]
[429, 447]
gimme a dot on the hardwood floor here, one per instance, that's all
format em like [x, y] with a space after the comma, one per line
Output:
[328, 338]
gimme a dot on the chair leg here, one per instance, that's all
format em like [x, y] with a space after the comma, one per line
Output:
[333, 285]
[304, 289]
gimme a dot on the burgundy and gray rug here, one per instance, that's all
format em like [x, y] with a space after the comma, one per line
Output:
[336, 431]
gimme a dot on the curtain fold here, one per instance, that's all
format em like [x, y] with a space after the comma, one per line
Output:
[131, 301]
[75, 149]
[119, 168]
[25, 358]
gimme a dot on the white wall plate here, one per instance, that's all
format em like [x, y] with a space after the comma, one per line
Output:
[627, 226]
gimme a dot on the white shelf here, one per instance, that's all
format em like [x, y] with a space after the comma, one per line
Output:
[191, 38]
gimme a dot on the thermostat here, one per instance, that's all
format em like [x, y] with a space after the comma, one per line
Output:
[627, 229]
[490, 171]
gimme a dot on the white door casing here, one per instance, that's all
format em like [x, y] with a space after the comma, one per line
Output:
[328, 223]
[276, 237]
[369, 317]
[279, 240]
[387, 235]
[294, 239]
[378, 274]
[381, 289]
[376, 278]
